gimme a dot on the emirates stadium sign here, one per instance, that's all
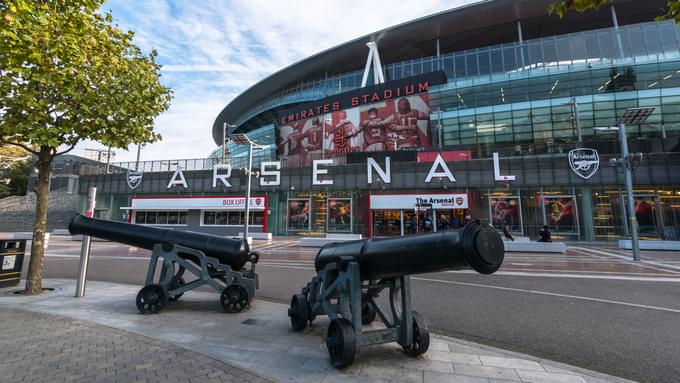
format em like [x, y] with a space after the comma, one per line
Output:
[391, 116]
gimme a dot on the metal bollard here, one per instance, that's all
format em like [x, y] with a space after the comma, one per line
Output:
[85, 247]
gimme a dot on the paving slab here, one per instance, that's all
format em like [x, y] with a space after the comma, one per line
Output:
[260, 342]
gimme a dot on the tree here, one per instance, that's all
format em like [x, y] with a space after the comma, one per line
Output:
[67, 74]
[561, 8]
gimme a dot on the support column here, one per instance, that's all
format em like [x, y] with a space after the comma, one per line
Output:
[521, 43]
[617, 33]
[587, 214]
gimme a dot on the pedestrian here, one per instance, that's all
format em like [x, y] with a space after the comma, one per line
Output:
[443, 223]
[507, 231]
[545, 234]
[456, 223]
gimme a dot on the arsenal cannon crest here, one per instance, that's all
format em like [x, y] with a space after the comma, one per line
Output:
[134, 178]
[584, 162]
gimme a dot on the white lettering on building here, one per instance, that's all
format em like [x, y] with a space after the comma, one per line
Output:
[316, 172]
[385, 175]
[181, 181]
[446, 172]
[224, 177]
[270, 173]
[497, 170]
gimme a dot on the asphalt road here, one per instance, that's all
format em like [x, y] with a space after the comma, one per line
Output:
[623, 324]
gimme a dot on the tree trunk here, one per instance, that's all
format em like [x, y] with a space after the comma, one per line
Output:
[42, 190]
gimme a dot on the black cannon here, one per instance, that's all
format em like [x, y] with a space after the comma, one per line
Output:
[223, 263]
[351, 275]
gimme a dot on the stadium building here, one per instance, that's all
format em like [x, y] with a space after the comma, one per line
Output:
[497, 110]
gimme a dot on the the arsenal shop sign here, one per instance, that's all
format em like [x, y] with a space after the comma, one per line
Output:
[409, 201]
[584, 162]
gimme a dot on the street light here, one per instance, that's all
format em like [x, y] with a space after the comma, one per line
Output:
[243, 139]
[630, 116]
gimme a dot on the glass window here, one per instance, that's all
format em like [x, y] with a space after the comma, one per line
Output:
[460, 66]
[563, 51]
[182, 218]
[235, 218]
[162, 218]
[208, 217]
[256, 218]
[173, 218]
[550, 52]
[471, 59]
[484, 65]
[496, 61]
[221, 218]
[509, 60]
[592, 45]
[150, 217]
[140, 217]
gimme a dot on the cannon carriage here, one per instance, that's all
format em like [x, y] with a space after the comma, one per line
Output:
[352, 275]
[225, 264]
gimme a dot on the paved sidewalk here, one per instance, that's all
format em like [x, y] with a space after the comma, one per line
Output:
[48, 348]
[258, 340]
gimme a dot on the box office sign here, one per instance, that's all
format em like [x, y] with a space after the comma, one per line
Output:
[256, 203]
[408, 201]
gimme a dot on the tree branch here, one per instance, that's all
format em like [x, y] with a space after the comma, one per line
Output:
[27, 148]
[65, 151]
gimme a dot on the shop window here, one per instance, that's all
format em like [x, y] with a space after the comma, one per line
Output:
[232, 218]
[140, 217]
[209, 217]
[235, 218]
[162, 218]
[151, 217]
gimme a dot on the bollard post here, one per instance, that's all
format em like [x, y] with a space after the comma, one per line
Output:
[85, 247]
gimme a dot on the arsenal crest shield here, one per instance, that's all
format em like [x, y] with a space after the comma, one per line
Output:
[134, 179]
[459, 201]
[584, 162]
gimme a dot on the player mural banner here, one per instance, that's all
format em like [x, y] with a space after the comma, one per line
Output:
[506, 209]
[560, 213]
[391, 116]
[298, 214]
[340, 214]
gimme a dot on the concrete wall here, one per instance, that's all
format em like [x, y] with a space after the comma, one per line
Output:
[17, 213]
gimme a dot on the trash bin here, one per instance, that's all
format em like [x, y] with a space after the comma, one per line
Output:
[11, 260]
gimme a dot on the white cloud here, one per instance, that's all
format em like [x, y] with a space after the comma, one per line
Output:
[212, 51]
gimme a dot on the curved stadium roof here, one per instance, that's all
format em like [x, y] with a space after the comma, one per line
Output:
[485, 23]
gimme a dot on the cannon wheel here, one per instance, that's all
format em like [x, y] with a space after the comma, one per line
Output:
[299, 312]
[368, 312]
[421, 336]
[234, 299]
[180, 283]
[152, 298]
[341, 342]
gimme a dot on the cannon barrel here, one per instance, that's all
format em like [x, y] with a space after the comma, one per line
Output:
[477, 246]
[231, 252]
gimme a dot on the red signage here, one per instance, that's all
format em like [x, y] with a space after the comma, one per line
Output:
[447, 155]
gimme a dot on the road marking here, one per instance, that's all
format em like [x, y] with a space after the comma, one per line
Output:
[577, 276]
[630, 261]
[569, 296]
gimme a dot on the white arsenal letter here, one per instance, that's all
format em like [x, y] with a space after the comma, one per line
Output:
[385, 175]
[497, 170]
[316, 172]
[270, 173]
[223, 176]
[174, 181]
[439, 161]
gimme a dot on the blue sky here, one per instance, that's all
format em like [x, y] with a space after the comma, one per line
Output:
[213, 50]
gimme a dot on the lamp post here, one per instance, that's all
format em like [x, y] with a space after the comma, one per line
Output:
[243, 139]
[630, 116]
